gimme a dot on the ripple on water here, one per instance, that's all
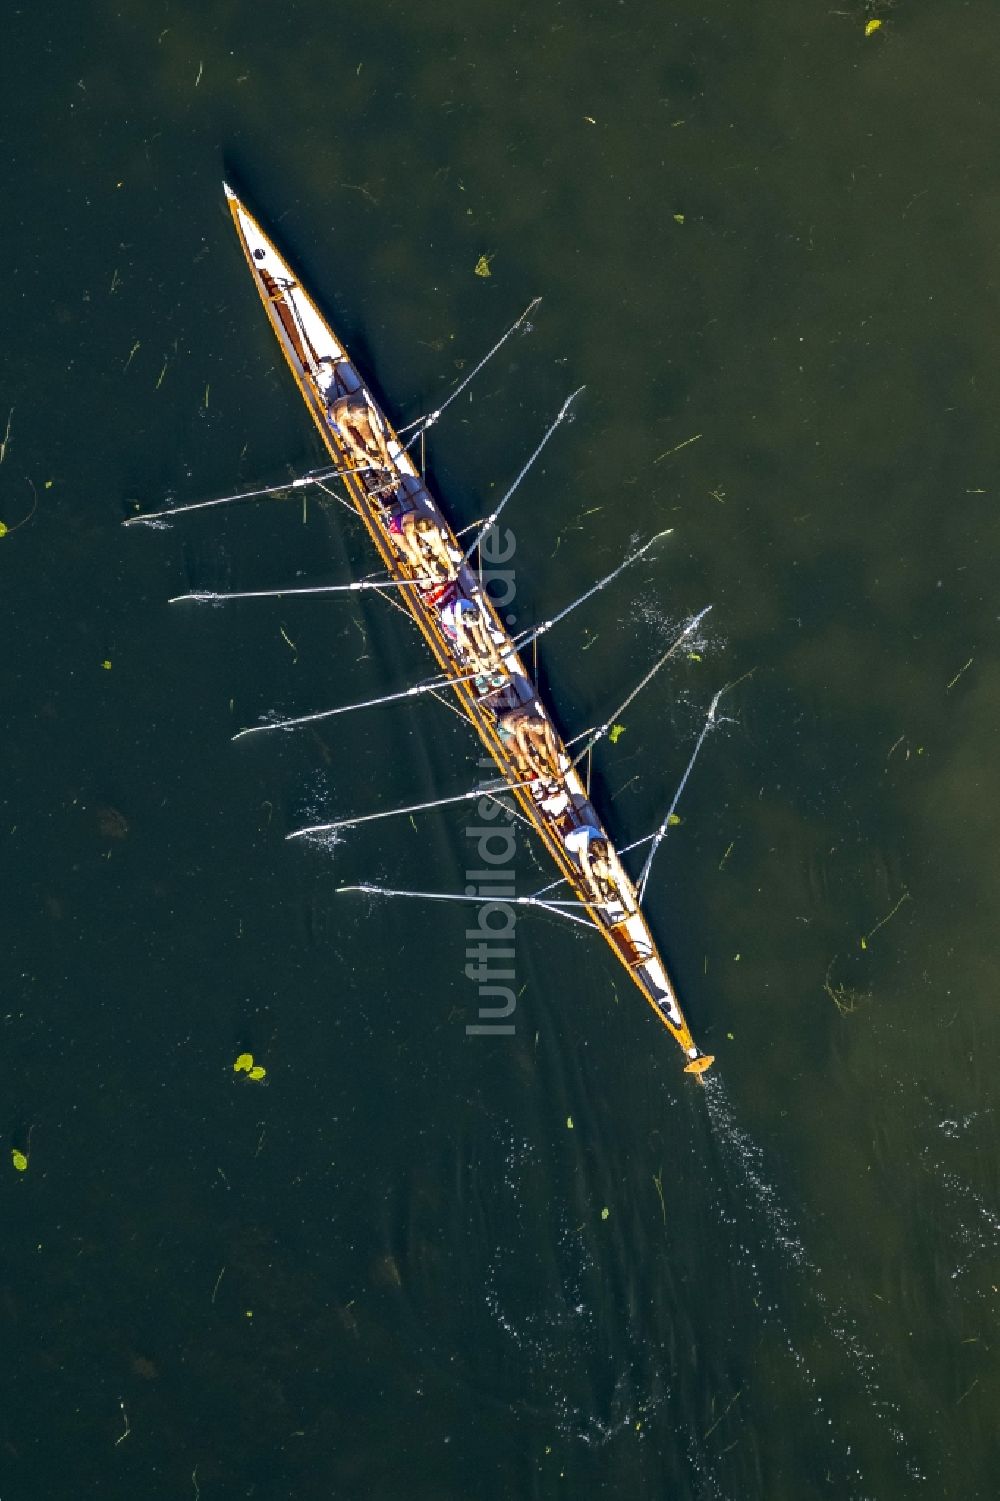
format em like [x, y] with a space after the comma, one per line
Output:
[774, 1228]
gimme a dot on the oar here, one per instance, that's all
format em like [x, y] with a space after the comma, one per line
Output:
[659, 834]
[314, 477]
[423, 423]
[527, 637]
[603, 729]
[209, 596]
[441, 802]
[367, 703]
[447, 896]
[491, 519]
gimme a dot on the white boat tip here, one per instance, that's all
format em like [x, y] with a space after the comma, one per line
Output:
[228, 191]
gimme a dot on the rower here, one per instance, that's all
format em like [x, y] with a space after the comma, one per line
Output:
[351, 414]
[439, 596]
[533, 739]
[463, 621]
[425, 544]
[602, 870]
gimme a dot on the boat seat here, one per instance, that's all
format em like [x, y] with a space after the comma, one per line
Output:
[631, 952]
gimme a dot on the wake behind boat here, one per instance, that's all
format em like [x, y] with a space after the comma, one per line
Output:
[438, 580]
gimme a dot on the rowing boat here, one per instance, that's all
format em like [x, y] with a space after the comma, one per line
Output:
[439, 581]
[312, 350]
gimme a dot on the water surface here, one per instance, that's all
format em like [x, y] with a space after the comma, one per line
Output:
[387, 1271]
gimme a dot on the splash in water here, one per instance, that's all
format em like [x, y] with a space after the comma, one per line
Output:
[774, 1223]
[554, 1327]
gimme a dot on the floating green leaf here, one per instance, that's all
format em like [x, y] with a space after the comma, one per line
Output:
[243, 1064]
[19, 1160]
[257, 1072]
[605, 1213]
[569, 1123]
[483, 266]
[674, 820]
[678, 218]
[617, 731]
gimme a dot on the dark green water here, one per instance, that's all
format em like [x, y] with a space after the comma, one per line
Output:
[384, 1273]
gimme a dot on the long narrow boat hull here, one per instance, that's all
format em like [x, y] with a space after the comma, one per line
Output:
[311, 348]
